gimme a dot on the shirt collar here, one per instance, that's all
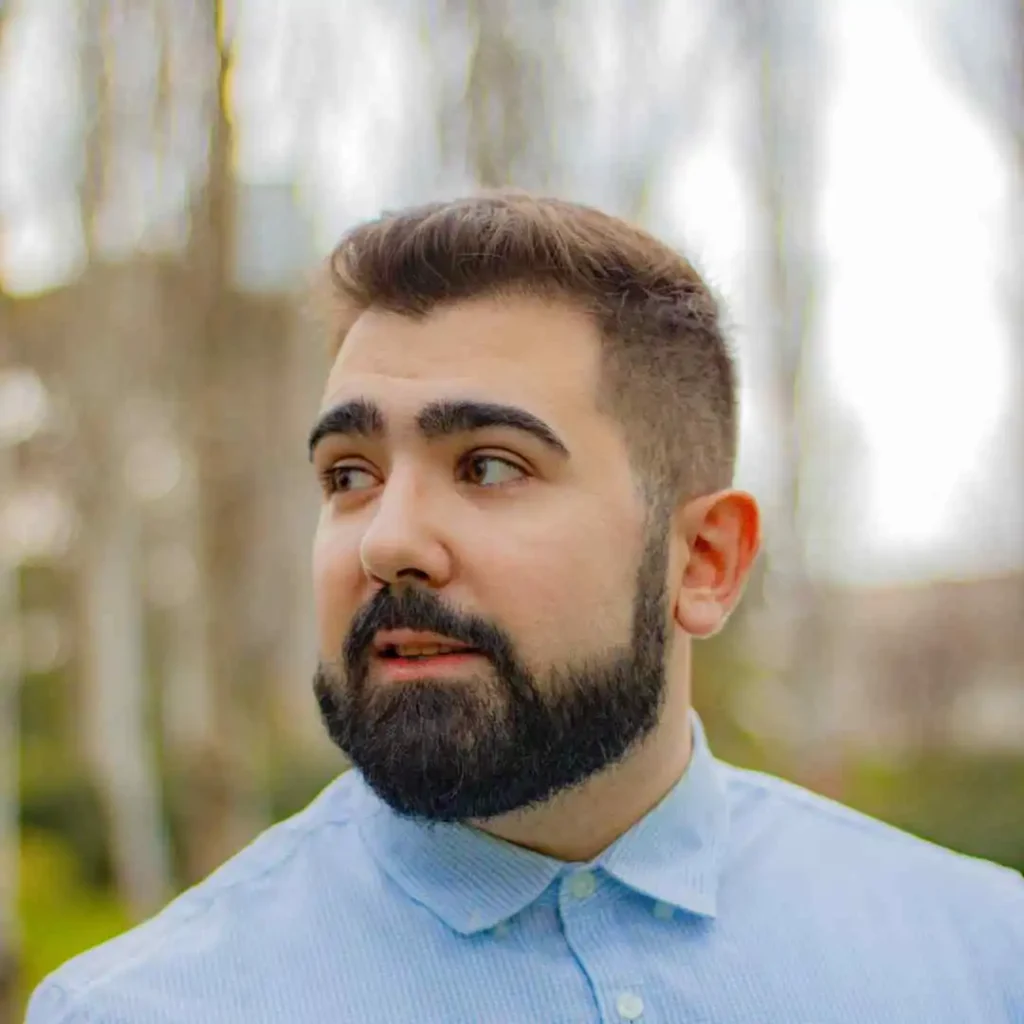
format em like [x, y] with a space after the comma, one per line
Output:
[473, 881]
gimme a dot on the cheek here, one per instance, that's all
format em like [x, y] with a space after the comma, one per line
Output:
[565, 584]
[337, 578]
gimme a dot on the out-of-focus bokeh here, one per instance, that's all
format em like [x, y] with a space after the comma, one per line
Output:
[847, 174]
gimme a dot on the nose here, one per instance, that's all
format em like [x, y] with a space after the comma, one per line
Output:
[403, 541]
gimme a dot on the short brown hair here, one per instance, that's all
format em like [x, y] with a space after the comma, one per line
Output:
[668, 375]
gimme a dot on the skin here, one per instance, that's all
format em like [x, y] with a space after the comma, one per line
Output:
[543, 542]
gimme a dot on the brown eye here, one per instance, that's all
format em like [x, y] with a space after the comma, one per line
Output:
[346, 479]
[490, 471]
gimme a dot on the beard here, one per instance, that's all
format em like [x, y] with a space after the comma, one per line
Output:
[453, 750]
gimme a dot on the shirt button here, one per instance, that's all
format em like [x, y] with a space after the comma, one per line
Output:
[629, 1005]
[582, 884]
[663, 911]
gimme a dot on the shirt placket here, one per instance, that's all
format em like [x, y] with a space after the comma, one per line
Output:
[583, 897]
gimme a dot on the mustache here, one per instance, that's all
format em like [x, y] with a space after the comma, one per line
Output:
[418, 609]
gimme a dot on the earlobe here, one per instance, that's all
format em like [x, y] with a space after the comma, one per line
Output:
[720, 536]
[699, 615]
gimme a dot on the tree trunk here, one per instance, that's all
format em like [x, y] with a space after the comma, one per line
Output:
[117, 713]
[782, 44]
[222, 802]
[107, 361]
[10, 683]
[10, 748]
[304, 375]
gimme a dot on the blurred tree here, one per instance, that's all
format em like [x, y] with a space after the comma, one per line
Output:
[184, 391]
[983, 47]
[539, 105]
[10, 718]
[509, 123]
[781, 53]
[218, 715]
[184, 74]
[108, 367]
[664, 94]
[10, 683]
[493, 100]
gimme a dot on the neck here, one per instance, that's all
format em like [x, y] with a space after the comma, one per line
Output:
[578, 825]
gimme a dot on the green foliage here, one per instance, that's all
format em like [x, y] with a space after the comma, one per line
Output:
[56, 794]
[293, 786]
[721, 673]
[970, 803]
[62, 912]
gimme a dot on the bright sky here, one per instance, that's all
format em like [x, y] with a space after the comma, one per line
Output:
[919, 228]
[914, 341]
[914, 331]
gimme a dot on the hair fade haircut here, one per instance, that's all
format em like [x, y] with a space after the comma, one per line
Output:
[667, 372]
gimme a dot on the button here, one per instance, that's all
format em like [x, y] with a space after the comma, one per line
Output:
[582, 884]
[501, 929]
[629, 1005]
[663, 911]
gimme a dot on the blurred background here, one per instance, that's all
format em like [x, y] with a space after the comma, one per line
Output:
[847, 174]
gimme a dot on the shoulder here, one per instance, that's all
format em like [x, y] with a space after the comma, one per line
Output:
[760, 799]
[808, 821]
[860, 865]
[248, 902]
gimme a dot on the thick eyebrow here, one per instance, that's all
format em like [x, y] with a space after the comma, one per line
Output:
[363, 418]
[440, 419]
[358, 417]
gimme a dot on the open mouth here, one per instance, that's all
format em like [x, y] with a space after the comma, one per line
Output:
[421, 652]
[407, 655]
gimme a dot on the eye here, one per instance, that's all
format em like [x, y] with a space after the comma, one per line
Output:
[343, 479]
[490, 471]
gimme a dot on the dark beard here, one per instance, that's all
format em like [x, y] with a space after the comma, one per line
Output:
[453, 750]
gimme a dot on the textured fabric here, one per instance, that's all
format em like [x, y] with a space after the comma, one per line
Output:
[740, 899]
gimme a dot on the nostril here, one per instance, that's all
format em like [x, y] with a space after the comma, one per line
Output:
[413, 574]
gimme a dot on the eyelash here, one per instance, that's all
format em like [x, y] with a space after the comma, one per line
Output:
[329, 478]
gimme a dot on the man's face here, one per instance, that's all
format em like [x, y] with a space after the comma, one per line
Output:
[490, 592]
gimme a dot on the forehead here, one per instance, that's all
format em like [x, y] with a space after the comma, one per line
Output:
[544, 354]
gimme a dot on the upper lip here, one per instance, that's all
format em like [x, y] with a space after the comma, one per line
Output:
[387, 638]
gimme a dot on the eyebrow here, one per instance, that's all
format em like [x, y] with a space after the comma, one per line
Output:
[357, 418]
[363, 418]
[443, 418]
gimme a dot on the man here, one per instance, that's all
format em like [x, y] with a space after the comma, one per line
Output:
[526, 447]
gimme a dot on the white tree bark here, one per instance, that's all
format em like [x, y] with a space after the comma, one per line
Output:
[220, 735]
[118, 740]
[108, 362]
[188, 705]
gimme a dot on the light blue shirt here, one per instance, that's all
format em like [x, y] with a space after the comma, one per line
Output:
[740, 899]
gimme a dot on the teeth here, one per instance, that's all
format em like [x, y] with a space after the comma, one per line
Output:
[423, 650]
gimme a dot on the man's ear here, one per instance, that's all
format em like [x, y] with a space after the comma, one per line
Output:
[719, 536]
